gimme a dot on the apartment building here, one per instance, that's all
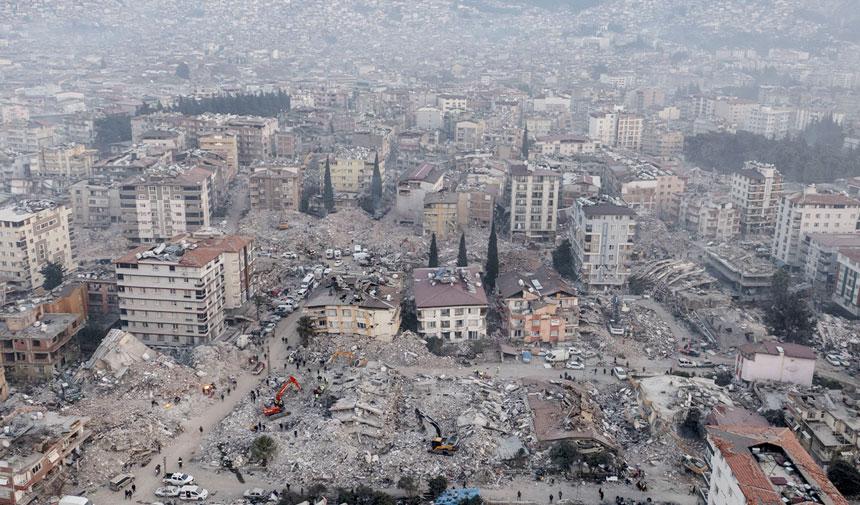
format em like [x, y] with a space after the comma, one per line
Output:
[565, 145]
[33, 233]
[818, 257]
[772, 122]
[95, 205]
[629, 131]
[376, 138]
[445, 214]
[352, 170]
[776, 361]
[603, 127]
[708, 216]
[847, 291]
[34, 447]
[254, 138]
[175, 294]
[428, 118]
[225, 145]
[276, 188]
[451, 103]
[538, 307]
[534, 202]
[168, 140]
[602, 237]
[468, 134]
[64, 161]
[451, 303]
[756, 191]
[827, 424]
[733, 110]
[763, 465]
[662, 143]
[287, 144]
[30, 136]
[539, 126]
[166, 202]
[808, 212]
[643, 99]
[102, 299]
[649, 188]
[357, 306]
[411, 190]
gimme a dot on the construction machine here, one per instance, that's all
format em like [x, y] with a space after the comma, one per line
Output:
[338, 354]
[439, 445]
[278, 404]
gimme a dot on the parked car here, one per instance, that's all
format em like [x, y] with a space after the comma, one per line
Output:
[574, 365]
[167, 492]
[589, 354]
[574, 351]
[686, 363]
[178, 479]
[193, 493]
[833, 360]
[255, 495]
[338, 263]
[705, 363]
[689, 351]
[620, 373]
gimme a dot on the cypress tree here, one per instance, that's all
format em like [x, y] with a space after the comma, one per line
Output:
[491, 271]
[526, 142]
[376, 184]
[434, 253]
[328, 192]
[462, 261]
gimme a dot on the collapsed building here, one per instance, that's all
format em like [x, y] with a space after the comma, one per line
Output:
[35, 446]
[743, 268]
[539, 307]
[665, 400]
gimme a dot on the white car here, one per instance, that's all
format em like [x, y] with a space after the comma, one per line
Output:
[193, 493]
[255, 495]
[574, 351]
[178, 479]
[338, 263]
[620, 373]
[833, 360]
[574, 365]
[167, 492]
[590, 354]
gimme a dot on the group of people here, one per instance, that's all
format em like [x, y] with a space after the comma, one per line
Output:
[130, 492]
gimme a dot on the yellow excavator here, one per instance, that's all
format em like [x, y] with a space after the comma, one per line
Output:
[439, 445]
[338, 354]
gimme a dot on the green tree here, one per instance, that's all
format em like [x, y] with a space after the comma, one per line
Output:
[112, 128]
[408, 315]
[775, 417]
[525, 146]
[328, 192]
[89, 338]
[408, 485]
[462, 259]
[564, 455]
[491, 271]
[788, 318]
[437, 486]
[182, 71]
[845, 477]
[433, 262]
[376, 183]
[305, 329]
[562, 260]
[263, 448]
[53, 273]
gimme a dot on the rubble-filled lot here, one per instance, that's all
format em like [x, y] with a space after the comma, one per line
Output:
[132, 417]
[366, 418]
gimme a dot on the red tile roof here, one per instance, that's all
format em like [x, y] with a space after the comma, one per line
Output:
[430, 293]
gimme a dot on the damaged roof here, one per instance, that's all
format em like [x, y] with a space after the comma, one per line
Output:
[544, 282]
[448, 287]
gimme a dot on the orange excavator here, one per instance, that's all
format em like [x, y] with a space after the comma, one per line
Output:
[278, 404]
[337, 354]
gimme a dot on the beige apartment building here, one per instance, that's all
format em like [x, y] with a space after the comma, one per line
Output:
[224, 145]
[662, 143]
[163, 203]
[64, 161]
[708, 216]
[808, 212]
[29, 136]
[95, 205]
[33, 233]
[629, 131]
[276, 188]
[756, 190]
[451, 303]
[534, 202]
[176, 293]
[357, 306]
[352, 170]
[565, 145]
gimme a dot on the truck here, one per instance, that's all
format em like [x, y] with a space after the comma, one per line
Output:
[557, 355]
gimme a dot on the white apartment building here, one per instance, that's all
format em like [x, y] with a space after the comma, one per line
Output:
[33, 233]
[602, 236]
[428, 118]
[847, 291]
[28, 136]
[161, 204]
[733, 110]
[95, 205]
[467, 134]
[602, 127]
[808, 212]
[451, 303]
[411, 190]
[772, 122]
[565, 145]
[176, 293]
[534, 202]
[451, 103]
[756, 190]
[64, 161]
[629, 131]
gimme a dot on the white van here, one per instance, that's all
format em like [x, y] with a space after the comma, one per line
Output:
[329, 254]
[74, 500]
[306, 282]
[685, 363]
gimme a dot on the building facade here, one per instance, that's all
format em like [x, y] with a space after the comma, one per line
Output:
[35, 233]
[539, 307]
[451, 303]
[411, 190]
[756, 190]
[175, 294]
[534, 203]
[357, 307]
[776, 361]
[602, 238]
[95, 205]
[276, 188]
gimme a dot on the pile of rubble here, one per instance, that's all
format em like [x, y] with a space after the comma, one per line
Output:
[153, 391]
[97, 243]
[363, 414]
